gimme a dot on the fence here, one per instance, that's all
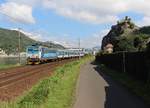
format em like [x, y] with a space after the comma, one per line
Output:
[133, 63]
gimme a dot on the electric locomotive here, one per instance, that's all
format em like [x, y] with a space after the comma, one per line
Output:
[37, 54]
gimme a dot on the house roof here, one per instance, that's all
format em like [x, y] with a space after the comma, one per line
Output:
[109, 46]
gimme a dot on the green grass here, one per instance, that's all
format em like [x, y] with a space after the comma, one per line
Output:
[4, 66]
[55, 92]
[140, 89]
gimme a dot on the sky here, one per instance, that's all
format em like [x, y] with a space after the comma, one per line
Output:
[67, 21]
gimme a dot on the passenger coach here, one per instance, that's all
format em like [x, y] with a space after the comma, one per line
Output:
[37, 54]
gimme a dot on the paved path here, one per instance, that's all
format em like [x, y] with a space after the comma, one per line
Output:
[96, 90]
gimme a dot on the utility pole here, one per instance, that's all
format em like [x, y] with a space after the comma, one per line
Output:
[79, 47]
[19, 45]
[19, 37]
[124, 61]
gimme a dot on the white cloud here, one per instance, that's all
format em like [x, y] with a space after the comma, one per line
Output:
[66, 39]
[144, 22]
[99, 11]
[32, 3]
[85, 42]
[18, 12]
[94, 40]
[91, 11]
[91, 41]
[86, 11]
[42, 35]
[33, 35]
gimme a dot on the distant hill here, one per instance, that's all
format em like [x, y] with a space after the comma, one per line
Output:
[126, 36]
[52, 45]
[145, 30]
[9, 41]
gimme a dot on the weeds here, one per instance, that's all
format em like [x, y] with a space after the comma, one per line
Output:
[54, 92]
[137, 87]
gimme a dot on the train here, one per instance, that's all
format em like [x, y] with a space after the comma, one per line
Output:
[37, 54]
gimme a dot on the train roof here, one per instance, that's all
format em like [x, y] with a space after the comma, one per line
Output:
[70, 49]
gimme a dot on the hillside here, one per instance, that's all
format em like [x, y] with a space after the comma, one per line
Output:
[126, 36]
[9, 41]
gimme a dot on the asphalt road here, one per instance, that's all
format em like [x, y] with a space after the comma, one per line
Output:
[96, 90]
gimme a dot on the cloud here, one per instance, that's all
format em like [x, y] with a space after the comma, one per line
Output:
[67, 40]
[85, 11]
[85, 42]
[141, 7]
[94, 40]
[33, 35]
[99, 11]
[144, 22]
[42, 35]
[91, 11]
[32, 3]
[17, 12]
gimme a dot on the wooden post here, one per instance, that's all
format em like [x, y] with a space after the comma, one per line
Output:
[19, 46]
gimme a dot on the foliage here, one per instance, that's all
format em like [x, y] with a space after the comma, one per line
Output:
[137, 42]
[4, 66]
[126, 36]
[54, 92]
[131, 42]
[140, 89]
[124, 44]
[100, 53]
[140, 42]
[145, 30]
[9, 41]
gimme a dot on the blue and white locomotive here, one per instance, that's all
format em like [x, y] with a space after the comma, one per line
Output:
[37, 54]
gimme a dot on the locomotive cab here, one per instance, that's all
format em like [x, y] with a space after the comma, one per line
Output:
[33, 54]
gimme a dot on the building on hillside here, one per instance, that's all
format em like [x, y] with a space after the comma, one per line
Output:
[108, 48]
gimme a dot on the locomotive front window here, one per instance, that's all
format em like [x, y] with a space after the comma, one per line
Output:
[31, 50]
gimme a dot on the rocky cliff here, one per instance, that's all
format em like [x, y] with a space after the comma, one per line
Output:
[125, 36]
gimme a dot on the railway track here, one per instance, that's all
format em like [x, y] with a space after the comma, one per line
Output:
[12, 76]
[15, 77]
[15, 81]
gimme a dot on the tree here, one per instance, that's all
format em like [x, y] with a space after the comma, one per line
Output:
[138, 42]
[124, 44]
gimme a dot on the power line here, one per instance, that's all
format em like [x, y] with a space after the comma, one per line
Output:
[19, 36]
[12, 18]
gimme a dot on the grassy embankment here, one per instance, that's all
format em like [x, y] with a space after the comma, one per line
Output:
[54, 92]
[4, 66]
[140, 89]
